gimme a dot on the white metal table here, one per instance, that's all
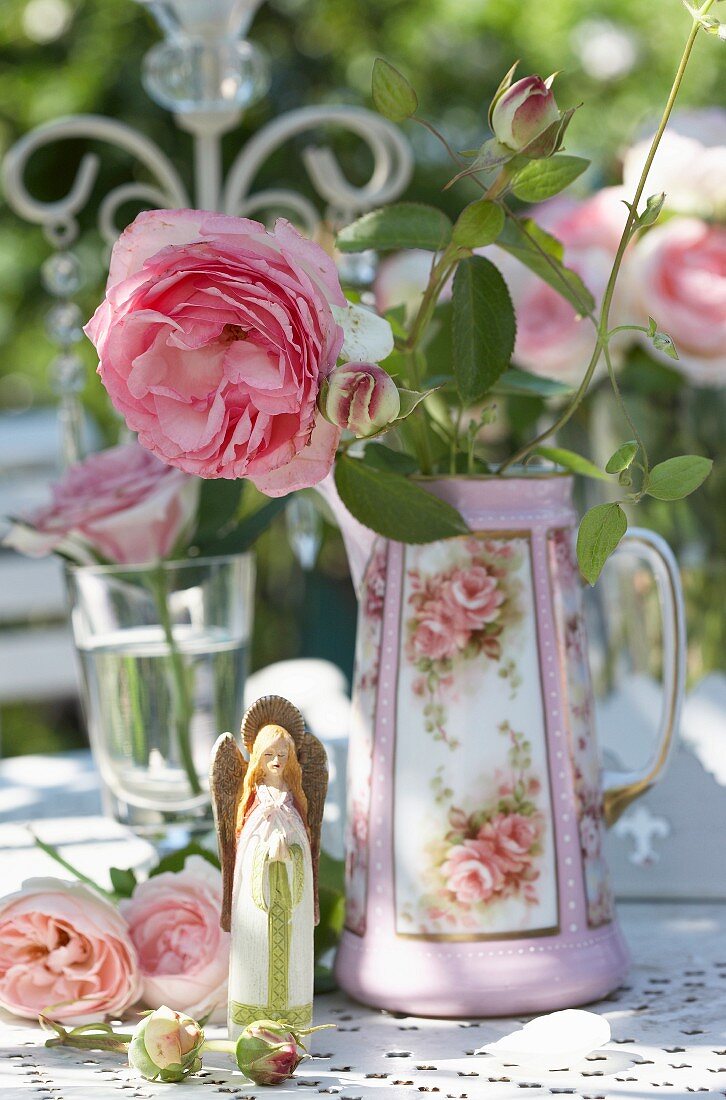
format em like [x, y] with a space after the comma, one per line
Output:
[668, 1026]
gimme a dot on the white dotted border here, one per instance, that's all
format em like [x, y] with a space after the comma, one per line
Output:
[572, 901]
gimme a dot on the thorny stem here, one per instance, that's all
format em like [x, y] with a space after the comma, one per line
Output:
[421, 431]
[96, 1036]
[492, 192]
[551, 263]
[625, 412]
[627, 328]
[603, 335]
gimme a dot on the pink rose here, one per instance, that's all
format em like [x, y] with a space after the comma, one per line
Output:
[402, 278]
[678, 276]
[63, 947]
[472, 872]
[473, 597]
[689, 166]
[121, 504]
[523, 111]
[173, 921]
[214, 338]
[552, 338]
[438, 633]
[360, 397]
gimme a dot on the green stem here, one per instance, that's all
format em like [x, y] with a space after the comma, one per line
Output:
[556, 268]
[493, 191]
[624, 410]
[627, 328]
[440, 273]
[98, 1036]
[181, 703]
[225, 1046]
[602, 335]
[419, 418]
[55, 854]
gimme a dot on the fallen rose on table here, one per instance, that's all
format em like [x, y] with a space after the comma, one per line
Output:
[168, 1046]
[89, 952]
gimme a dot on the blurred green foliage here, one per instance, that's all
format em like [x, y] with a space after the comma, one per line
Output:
[617, 56]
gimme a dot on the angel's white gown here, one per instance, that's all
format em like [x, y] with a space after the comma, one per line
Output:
[271, 961]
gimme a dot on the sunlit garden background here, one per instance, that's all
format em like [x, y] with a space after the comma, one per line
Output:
[65, 56]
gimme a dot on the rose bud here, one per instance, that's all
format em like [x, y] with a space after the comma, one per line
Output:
[361, 397]
[268, 1053]
[166, 1046]
[522, 112]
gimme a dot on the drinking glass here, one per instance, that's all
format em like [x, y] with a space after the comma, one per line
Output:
[163, 651]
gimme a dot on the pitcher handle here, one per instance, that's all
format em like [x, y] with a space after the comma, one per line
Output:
[621, 788]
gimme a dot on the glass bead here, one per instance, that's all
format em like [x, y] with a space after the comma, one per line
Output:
[357, 270]
[62, 275]
[188, 76]
[63, 323]
[304, 530]
[67, 373]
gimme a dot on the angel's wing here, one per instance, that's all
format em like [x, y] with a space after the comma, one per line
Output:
[314, 763]
[226, 773]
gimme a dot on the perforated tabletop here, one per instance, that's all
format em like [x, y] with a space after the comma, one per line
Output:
[668, 1025]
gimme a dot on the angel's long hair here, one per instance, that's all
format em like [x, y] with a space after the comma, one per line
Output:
[292, 774]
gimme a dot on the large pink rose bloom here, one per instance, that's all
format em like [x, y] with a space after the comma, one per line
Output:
[678, 276]
[173, 921]
[62, 945]
[213, 340]
[122, 505]
[552, 339]
[473, 597]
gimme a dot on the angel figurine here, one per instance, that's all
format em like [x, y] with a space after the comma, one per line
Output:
[268, 811]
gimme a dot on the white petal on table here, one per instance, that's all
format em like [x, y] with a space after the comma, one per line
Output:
[558, 1040]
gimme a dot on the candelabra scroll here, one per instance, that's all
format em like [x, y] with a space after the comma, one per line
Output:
[392, 163]
[62, 274]
[58, 217]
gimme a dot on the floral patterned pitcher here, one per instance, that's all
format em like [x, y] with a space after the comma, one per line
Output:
[476, 883]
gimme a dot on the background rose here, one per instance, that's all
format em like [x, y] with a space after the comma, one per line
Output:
[401, 280]
[552, 339]
[689, 166]
[173, 921]
[214, 338]
[60, 942]
[678, 276]
[121, 504]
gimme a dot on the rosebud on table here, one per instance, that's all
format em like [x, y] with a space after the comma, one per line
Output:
[522, 112]
[268, 1052]
[166, 1046]
[360, 397]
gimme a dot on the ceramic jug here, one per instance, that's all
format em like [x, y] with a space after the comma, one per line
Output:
[475, 877]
